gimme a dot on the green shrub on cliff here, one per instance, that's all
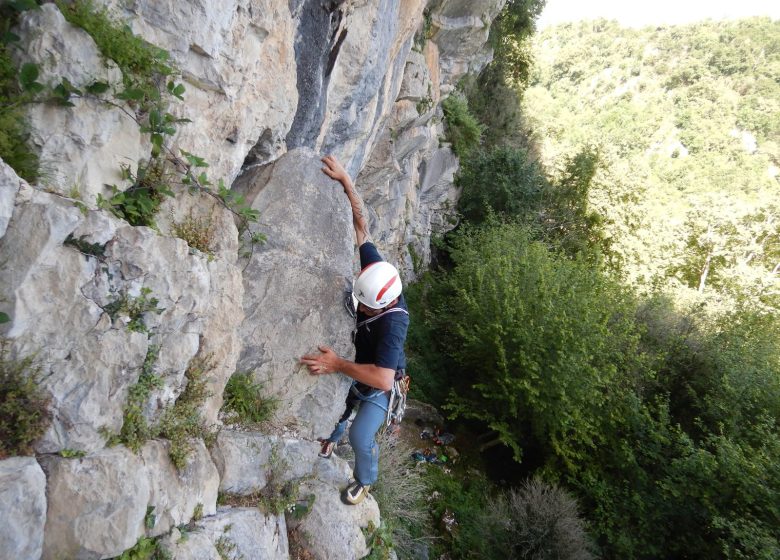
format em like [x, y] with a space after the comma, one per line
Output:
[14, 146]
[245, 401]
[139, 60]
[463, 130]
[24, 414]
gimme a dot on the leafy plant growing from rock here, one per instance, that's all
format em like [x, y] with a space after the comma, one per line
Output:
[179, 423]
[227, 549]
[150, 519]
[425, 104]
[85, 247]
[302, 506]
[135, 429]
[379, 540]
[140, 62]
[425, 32]
[24, 414]
[148, 86]
[72, 453]
[139, 203]
[182, 422]
[244, 401]
[417, 262]
[133, 309]
[145, 549]
[279, 495]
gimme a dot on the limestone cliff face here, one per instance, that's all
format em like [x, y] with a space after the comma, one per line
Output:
[270, 87]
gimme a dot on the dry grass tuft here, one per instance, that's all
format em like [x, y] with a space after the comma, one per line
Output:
[400, 492]
[197, 232]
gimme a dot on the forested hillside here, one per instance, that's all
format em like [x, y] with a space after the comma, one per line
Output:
[606, 312]
[687, 123]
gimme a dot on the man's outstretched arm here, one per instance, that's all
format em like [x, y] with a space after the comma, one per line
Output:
[327, 362]
[335, 170]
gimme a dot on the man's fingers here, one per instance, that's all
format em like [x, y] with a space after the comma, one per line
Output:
[324, 349]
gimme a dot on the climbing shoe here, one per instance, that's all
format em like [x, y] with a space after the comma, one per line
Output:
[354, 493]
[326, 450]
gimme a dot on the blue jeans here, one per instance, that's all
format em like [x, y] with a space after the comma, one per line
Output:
[372, 412]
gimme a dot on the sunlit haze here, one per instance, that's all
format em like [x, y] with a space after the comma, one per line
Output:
[638, 14]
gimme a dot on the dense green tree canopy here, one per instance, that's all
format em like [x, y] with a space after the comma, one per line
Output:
[666, 424]
[687, 120]
[547, 337]
[608, 308]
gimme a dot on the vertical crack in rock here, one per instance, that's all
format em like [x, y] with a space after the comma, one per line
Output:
[316, 50]
[379, 111]
[360, 110]
[334, 52]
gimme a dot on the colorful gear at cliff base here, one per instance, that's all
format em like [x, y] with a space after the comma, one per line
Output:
[429, 456]
[444, 439]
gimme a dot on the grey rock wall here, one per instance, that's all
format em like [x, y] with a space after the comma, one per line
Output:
[269, 90]
[247, 460]
[294, 288]
[22, 507]
[238, 62]
[10, 184]
[233, 532]
[407, 182]
[83, 148]
[99, 505]
[460, 31]
[332, 530]
[58, 298]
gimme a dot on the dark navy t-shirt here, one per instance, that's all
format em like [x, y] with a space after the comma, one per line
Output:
[381, 342]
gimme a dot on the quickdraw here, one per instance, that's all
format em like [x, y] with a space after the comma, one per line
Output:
[397, 405]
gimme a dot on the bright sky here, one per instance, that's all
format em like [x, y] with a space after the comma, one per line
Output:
[655, 12]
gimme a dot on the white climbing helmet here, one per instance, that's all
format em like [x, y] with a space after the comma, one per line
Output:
[377, 285]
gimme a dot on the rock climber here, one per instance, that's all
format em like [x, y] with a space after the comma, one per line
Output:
[382, 320]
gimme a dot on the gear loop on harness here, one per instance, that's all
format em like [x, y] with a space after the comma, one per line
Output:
[396, 407]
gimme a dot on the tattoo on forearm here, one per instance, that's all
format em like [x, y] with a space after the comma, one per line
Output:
[357, 204]
[358, 211]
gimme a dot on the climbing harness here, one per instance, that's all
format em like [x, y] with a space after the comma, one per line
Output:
[396, 407]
